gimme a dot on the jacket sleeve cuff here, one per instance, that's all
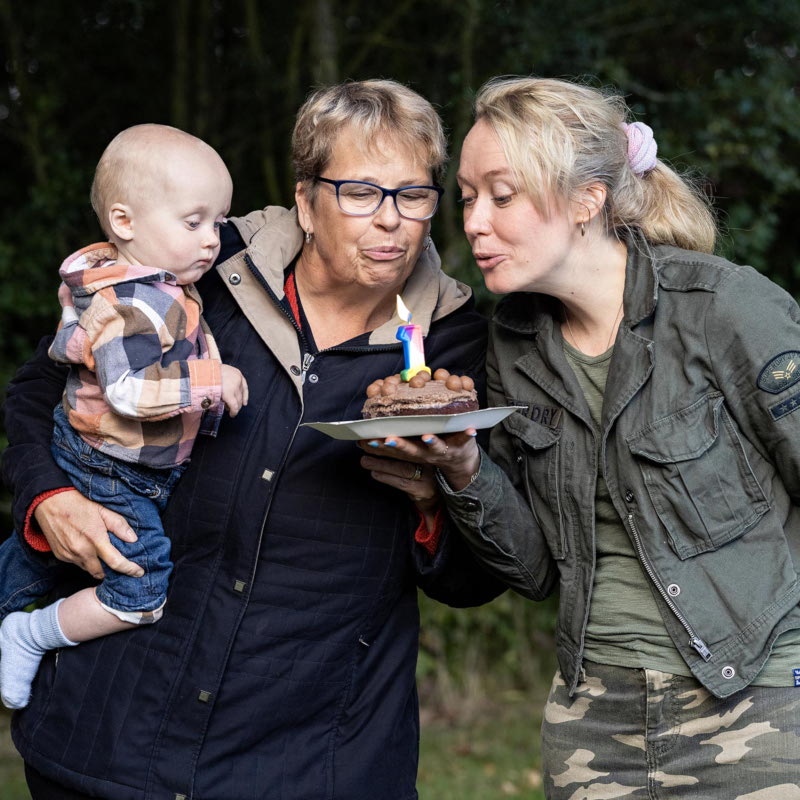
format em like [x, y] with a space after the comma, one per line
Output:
[429, 539]
[205, 376]
[33, 536]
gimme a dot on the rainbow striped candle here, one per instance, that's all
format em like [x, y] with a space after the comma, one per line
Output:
[411, 337]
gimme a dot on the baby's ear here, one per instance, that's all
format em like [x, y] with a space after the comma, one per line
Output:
[120, 221]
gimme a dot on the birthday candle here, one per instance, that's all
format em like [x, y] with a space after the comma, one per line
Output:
[411, 337]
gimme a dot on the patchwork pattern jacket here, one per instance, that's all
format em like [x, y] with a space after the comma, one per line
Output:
[145, 367]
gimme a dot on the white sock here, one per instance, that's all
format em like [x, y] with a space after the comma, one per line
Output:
[24, 639]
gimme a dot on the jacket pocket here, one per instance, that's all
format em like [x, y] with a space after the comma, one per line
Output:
[698, 477]
[537, 450]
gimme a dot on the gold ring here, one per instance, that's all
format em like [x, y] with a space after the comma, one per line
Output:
[417, 474]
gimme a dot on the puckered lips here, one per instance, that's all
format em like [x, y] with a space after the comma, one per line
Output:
[384, 252]
[486, 260]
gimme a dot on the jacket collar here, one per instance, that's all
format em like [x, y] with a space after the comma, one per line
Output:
[274, 237]
[95, 267]
[537, 317]
[530, 313]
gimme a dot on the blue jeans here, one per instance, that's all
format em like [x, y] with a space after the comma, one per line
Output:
[138, 493]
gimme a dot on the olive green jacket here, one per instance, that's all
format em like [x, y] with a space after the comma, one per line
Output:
[699, 446]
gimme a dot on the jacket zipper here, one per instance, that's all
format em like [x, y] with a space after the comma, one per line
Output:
[694, 640]
[268, 289]
[307, 359]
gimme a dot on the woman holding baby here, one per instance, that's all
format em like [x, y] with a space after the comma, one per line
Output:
[283, 666]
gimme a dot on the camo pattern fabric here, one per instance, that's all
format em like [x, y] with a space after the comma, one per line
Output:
[642, 733]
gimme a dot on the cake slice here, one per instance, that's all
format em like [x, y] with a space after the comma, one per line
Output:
[442, 394]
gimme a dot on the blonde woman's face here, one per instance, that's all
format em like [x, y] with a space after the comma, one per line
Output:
[515, 246]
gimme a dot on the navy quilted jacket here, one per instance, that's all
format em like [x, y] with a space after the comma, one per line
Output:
[283, 668]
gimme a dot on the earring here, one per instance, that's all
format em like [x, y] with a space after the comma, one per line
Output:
[583, 229]
[309, 237]
[427, 242]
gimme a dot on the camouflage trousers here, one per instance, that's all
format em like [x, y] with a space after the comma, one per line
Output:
[646, 734]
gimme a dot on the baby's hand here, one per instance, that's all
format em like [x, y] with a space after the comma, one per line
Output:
[65, 295]
[234, 389]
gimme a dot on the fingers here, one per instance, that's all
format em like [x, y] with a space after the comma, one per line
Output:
[233, 401]
[80, 550]
[461, 439]
[240, 396]
[118, 525]
[415, 480]
[93, 566]
[392, 447]
[64, 295]
[76, 529]
[405, 471]
[116, 561]
[233, 407]
[438, 451]
[108, 553]
[235, 392]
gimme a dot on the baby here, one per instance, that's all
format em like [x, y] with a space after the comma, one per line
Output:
[145, 379]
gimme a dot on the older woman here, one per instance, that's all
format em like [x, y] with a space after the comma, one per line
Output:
[654, 473]
[284, 665]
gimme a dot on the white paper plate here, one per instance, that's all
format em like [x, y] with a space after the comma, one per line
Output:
[381, 427]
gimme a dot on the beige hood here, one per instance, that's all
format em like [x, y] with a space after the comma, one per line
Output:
[274, 238]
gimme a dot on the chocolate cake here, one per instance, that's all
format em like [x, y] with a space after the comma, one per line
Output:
[444, 394]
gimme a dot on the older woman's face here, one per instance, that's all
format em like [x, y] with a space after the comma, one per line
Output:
[378, 251]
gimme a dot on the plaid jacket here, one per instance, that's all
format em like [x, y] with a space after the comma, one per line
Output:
[145, 368]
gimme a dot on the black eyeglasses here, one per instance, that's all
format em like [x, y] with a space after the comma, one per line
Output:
[362, 199]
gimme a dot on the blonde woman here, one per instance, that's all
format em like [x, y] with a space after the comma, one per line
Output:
[653, 477]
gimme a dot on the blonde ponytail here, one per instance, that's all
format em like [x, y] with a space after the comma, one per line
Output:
[560, 136]
[672, 211]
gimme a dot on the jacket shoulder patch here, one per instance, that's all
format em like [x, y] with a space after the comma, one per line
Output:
[780, 373]
[786, 406]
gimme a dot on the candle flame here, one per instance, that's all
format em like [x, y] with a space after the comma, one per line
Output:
[402, 311]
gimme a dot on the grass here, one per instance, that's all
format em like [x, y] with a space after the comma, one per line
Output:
[493, 755]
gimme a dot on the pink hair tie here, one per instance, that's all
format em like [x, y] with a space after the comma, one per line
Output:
[642, 147]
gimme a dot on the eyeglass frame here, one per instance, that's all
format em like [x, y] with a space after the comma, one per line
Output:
[386, 193]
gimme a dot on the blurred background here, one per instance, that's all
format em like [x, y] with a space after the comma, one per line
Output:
[719, 83]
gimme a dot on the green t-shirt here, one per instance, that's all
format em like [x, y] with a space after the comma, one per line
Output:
[625, 628]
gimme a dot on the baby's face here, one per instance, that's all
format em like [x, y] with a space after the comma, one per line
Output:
[176, 226]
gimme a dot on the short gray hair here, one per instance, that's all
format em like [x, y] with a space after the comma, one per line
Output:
[374, 109]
